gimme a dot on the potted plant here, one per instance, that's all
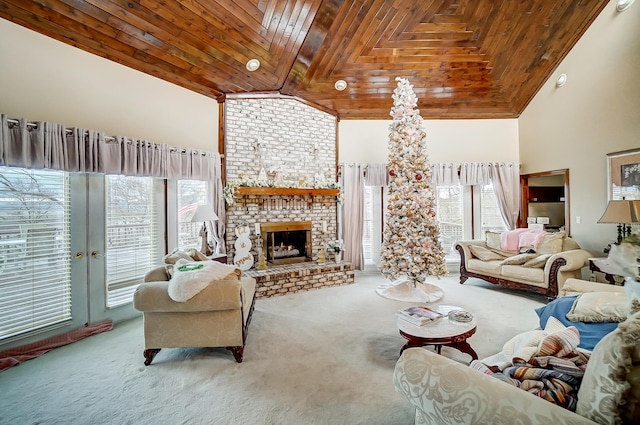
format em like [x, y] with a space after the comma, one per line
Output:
[336, 247]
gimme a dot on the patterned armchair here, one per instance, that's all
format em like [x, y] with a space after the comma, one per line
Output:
[446, 392]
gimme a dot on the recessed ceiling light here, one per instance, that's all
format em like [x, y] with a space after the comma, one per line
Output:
[340, 85]
[624, 5]
[562, 80]
[253, 64]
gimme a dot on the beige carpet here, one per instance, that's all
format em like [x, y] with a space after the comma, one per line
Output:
[317, 357]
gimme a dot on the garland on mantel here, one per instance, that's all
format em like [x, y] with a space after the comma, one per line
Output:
[229, 189]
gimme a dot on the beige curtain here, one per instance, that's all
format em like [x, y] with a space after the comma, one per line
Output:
[353, 213]
[217, 228]
[376, 174]
[505, 179]
[45, 145]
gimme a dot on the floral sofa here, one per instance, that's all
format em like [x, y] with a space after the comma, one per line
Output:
[543, 270]
[446, 392]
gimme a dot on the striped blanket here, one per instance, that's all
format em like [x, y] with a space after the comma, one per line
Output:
[554, 373]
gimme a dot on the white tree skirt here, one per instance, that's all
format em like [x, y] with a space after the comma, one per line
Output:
[403, 289]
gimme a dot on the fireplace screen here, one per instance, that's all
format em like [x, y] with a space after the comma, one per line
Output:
[287, 242]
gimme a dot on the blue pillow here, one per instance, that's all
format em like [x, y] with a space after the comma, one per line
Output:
[590, 332]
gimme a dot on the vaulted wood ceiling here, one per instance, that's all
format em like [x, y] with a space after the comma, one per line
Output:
[465, 58]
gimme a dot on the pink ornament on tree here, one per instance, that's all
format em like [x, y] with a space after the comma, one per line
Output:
[392, 173]
[418, 177]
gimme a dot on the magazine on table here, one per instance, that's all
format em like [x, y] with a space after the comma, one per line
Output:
[419, 315]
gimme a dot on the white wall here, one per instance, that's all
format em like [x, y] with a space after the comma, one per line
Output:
[447, 140]
[42, 79]
[595, 113]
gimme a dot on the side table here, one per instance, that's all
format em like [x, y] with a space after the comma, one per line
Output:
[604, 266]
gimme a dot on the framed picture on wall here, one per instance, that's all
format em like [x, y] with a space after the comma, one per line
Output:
[624, 174]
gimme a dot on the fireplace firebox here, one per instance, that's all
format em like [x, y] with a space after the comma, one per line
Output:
[288, 242]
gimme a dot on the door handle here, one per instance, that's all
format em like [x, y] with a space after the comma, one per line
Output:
[95, 254]
[79, 255]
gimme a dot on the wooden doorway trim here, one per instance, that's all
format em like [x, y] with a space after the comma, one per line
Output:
[524, 200]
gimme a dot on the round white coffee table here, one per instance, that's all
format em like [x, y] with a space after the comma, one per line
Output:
[442, 332]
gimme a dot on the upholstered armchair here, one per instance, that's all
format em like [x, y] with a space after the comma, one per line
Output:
[218, 316]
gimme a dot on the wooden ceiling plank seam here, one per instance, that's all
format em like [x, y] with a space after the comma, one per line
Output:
[342, 31]
[294, 44]
[97, 19]
[430, 51]
[211, 47]
[267, 18]
[333, 22]
[283, 33]
[414, 13]
[313, 42]
[137, 16]
[228, 35]
[373, 34]
[167, 44]
[230, 14]
[351, 40]
[428, 36]
[246, 8]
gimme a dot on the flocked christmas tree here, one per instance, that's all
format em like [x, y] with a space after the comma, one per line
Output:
[411, 250]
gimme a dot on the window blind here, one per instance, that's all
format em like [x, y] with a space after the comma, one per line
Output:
[191, 193]
[35, 277]
[131, 232]
[450, 215]
[490, 212]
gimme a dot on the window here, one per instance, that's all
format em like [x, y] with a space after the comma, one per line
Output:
[131, 233]
[450, 216]
[491, 218]
[372, 224]
[35, 283]
[190, 194]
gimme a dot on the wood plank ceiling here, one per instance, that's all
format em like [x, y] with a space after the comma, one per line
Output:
[465, 58]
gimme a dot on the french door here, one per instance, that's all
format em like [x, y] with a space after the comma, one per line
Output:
[73, 247]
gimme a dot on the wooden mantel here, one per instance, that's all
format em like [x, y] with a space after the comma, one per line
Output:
[284, 191]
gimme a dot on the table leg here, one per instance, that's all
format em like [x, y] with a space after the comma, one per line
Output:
[464, 347]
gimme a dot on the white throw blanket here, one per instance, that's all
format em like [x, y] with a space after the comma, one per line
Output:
[191, 277]
[523, 346]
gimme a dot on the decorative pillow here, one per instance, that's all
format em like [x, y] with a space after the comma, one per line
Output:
[539, 261]
[632, 289]
[484, 254]
[493, 239]
[559, 343]
[606, 395]
[551, 243]
[176, 255]
[196, 255]
[599, 307]
[517, 260]
[590, 333]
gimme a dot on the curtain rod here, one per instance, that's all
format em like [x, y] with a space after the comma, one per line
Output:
[106, 138]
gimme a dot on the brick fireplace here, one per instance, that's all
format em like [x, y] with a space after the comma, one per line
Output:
[294, 142]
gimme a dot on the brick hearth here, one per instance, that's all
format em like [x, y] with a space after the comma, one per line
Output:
[290, 278]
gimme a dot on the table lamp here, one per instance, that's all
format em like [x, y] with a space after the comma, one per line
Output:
[203, 214]
[623, 213]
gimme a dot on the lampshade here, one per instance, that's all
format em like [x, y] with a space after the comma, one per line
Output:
[203, 213]
[621, 212]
